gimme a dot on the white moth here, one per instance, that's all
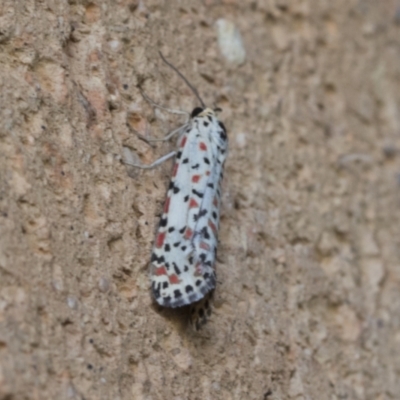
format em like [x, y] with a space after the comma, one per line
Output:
[183, 258]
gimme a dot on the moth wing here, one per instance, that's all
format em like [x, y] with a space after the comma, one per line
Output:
[177, 276]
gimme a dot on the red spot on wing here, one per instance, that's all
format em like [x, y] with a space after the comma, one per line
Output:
[212, 226]
[215, 201]
[160, 239]
[188, 234]
[193, 203]
[196, 178]
[203, 146]
[173, 279]
[175, 171]
[183, 141]
[166, 205]
[160, 271]
[204, 246]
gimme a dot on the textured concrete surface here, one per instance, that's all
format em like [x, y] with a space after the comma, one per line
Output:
[308, 300]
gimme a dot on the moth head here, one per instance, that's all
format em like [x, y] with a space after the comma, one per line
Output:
[196, 111]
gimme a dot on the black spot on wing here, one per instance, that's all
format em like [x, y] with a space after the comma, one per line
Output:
[199, 194]
[156, 259]
[202, 213]
[205, 233]
[222, 126]
[189, 288]
[163, 222]
[177, 270]
[222, 132]
[222, 135]
[156, 287]
[177, 293]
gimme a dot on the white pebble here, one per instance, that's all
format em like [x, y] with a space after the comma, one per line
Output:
[72, 302]
[230, 42]
[115, 45]
[104, 284]
[241, 139]
[129, 156]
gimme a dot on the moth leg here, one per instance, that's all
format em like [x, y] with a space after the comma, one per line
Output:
[175, 131]
[153, 103]
[154, 164]
[164, 139]
[169, 136]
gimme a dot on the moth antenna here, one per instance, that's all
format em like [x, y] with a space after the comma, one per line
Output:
[192, 88]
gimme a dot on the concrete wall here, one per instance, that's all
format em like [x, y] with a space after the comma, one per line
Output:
[307, 304]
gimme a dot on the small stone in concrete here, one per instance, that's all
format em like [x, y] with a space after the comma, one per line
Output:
[230, 42]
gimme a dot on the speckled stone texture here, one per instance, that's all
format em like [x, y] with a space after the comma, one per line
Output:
[307, 304]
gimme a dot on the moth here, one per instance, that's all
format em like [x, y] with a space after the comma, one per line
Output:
[183, 258]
